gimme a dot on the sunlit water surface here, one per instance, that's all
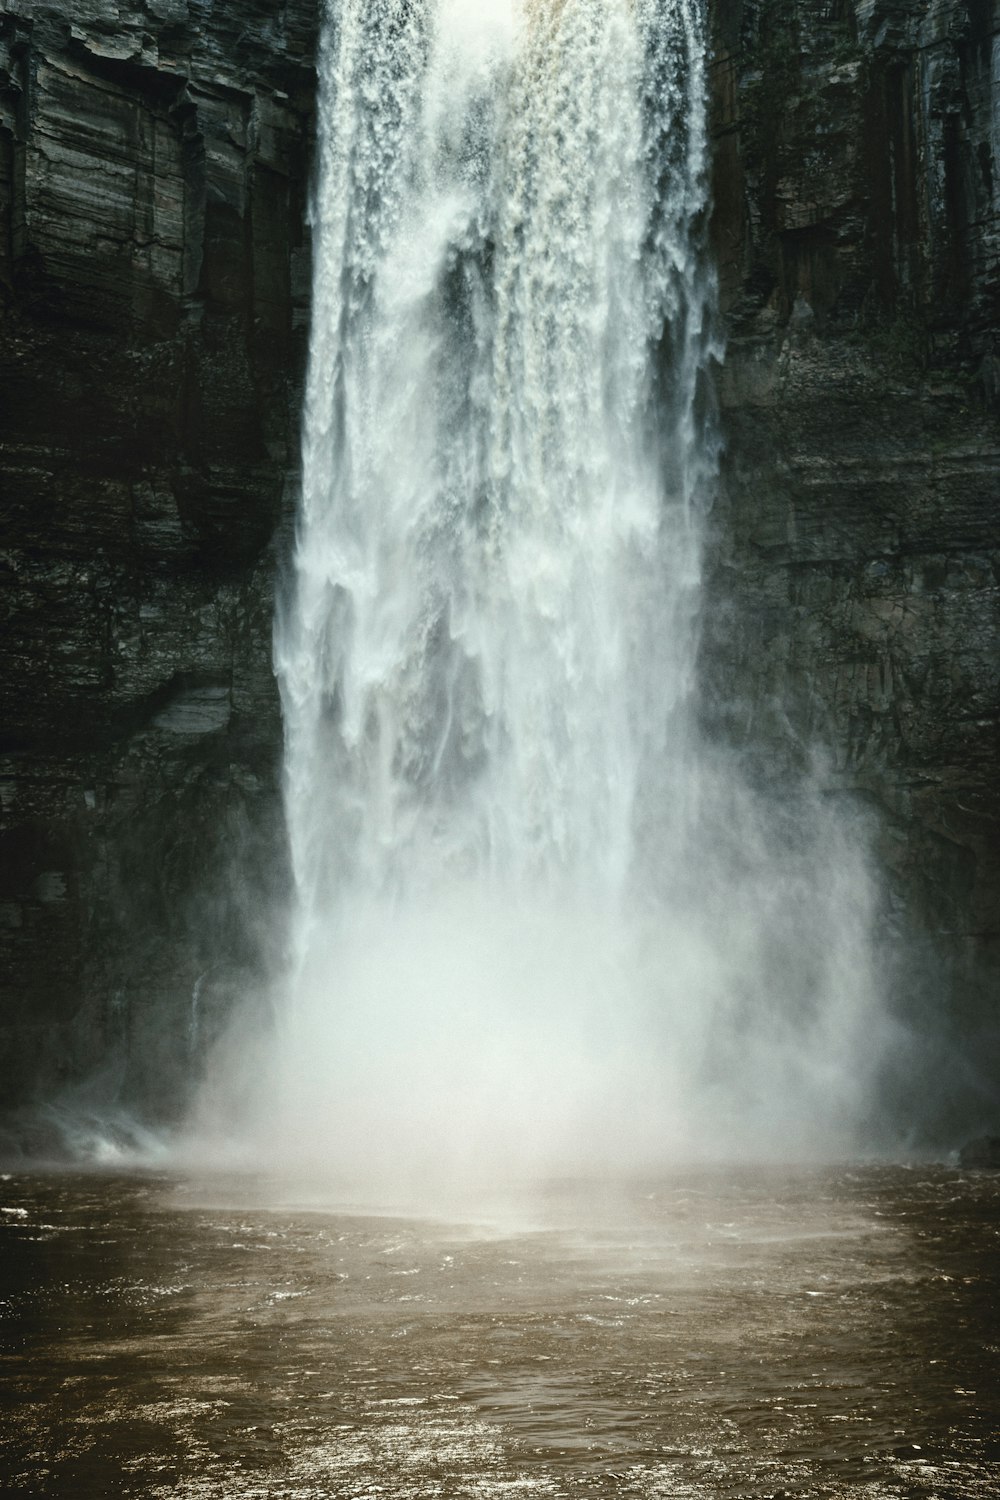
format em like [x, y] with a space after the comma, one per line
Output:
[715, 1334]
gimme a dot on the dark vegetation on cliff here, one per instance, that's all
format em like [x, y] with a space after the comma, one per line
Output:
[154, 160]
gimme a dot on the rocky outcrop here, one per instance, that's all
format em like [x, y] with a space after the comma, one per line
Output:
[153, 303]
[855, 569]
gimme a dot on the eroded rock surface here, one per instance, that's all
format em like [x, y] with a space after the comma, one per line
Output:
[855, 572]
[154, 284]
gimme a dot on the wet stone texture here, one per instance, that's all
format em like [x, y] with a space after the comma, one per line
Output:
[154, 284]
[854, 573]
[781, 1334]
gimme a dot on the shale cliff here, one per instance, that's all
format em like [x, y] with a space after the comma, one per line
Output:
[856, 561]
[154, 162]
[154, 288]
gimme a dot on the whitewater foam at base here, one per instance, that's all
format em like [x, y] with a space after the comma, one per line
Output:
[538, 924]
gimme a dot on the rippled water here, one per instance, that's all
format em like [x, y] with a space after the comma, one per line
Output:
[807, 1334]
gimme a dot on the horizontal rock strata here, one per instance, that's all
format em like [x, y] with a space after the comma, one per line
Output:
[153, 304]
[856, 571]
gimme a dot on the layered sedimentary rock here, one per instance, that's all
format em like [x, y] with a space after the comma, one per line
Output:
[154, 160]
[154, 293]
[856, 569]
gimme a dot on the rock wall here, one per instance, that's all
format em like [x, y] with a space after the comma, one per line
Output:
[154, 157]
[855, 570]
[153, 305]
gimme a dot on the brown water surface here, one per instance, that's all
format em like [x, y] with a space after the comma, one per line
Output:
[714, 1335]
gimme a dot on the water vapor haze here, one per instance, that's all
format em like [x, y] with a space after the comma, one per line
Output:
[539, 926]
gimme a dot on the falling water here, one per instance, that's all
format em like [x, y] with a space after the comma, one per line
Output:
[537, 923]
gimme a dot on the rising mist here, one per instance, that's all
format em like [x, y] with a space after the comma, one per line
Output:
[539, 925]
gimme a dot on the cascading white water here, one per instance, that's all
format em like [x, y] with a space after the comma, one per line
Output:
[533, 928]
[492, 617]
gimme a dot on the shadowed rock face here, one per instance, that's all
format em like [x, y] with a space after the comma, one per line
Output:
[153, 302]
[154, 296]
[854, 576]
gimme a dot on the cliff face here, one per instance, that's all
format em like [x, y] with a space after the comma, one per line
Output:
[854, 577]
[153, 304]
[154, 157]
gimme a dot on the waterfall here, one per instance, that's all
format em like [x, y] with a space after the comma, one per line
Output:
[537, 923]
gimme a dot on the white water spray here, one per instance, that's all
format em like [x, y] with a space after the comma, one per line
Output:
[537, 925]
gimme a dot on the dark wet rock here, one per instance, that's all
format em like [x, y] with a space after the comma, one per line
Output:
[984, 1152]
[854, 573]
[153, 303]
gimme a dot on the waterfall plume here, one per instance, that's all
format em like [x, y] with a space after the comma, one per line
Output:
[539, 924]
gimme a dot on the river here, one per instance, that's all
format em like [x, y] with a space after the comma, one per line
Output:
[718, 1333]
